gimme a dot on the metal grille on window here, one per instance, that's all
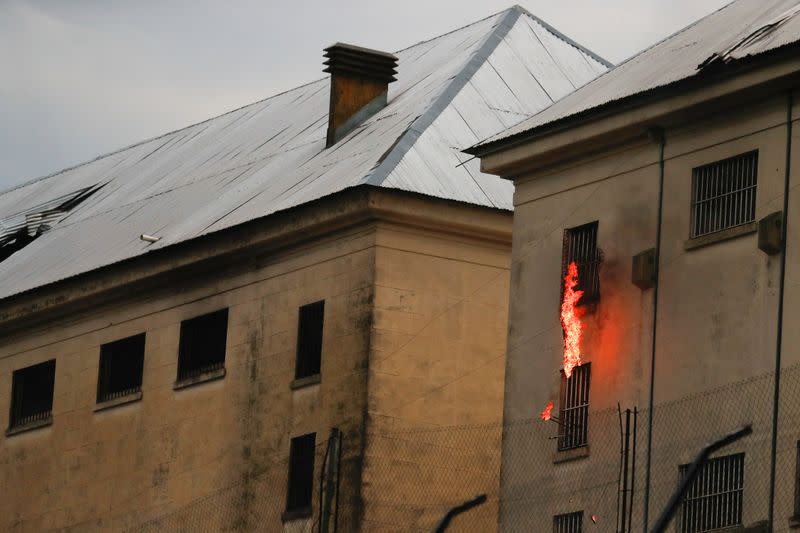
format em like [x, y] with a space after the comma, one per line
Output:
[568, 523]
[574, 423]
[32, 394]
[202, 344]
[301, 472]
[724, 194]
[309, 339]
[580, 246]
[121, 366]
[714, 501]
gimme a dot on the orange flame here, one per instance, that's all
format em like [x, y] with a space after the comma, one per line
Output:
[570, 321]
[545, 415]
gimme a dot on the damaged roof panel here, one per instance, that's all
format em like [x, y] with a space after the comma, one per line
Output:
[269, 156]
[741, 29]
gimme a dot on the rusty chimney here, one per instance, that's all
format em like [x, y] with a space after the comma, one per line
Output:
[360, 79]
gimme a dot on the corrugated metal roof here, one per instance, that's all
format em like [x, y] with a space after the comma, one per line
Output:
[269, 156]
[741, 29]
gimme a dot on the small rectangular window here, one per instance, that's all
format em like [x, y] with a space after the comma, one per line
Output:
[202, 344]
[724, 194]
[568, 523]
[580, 247]
[301, 473]
[714, 501]
[574, 408]
[121, 366]
[309, 339]
[32, 394]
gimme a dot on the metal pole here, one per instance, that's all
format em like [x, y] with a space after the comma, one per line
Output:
[625, 467]
[330, 468]
[633, 468]
[457, 510]
[779, 334]
[691, 473]
[656, 134]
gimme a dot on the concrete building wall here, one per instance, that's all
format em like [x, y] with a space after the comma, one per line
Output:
[716, 321]
[437, 360]
[220, 446]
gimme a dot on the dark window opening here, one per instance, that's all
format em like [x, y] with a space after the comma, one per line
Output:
[301, 472]
[32, 394]
[20, 229]
[580, 247]
[714, 501]
[568, 523]
[309, 339]
[121, 367]
[574, 408]
[724, 194]
[797, 483]
[202, 344]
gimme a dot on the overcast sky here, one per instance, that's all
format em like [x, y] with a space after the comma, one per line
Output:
[83, 77]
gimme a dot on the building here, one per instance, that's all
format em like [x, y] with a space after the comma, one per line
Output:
[660, 180]
[237, 324]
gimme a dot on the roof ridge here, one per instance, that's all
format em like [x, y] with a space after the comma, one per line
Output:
[565, 38]
[392, 157]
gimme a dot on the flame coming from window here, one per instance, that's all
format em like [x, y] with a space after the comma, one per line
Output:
[545, 415]
[570, 321]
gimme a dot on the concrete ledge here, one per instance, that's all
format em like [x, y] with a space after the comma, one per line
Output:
[563, 456]
[30, 426]
[794, 522]
[304, 382]
[719, 236]
[296, 514]
[114, 402]
[211, 375]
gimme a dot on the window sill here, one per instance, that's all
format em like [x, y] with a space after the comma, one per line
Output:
[299, 383]
[563, 456]
[296, 514]
[794, 522]
[203, 377]
[114, 402]
[30, 426]
[719, 236]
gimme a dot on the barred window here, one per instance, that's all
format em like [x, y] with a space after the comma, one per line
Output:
[724, 194]
[580, 246]
[309, 340]
[32, 394]
[202, 344]
[301, 473]
[714, 500]
[121, 366]
[574, 405]
[568, 523]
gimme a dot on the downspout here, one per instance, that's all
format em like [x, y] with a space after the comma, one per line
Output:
[779, 334]
[656, 134]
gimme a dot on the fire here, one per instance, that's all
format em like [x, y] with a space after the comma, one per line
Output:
[545, 415]
[570, 321]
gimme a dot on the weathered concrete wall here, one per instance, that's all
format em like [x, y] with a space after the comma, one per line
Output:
[717, 308]
[220, 446]
[437, 360]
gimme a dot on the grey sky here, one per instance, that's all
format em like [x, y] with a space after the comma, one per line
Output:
[84, 77]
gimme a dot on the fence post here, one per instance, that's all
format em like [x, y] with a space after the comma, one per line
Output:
[331, 467]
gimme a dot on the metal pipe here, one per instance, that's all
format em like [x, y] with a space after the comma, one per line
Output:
[633, 468]
[656, 134]
[625, 467]
[779, 334]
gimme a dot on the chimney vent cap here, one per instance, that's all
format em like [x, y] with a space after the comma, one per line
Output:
[357, 61]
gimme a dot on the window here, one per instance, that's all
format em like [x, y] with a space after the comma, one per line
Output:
[301, 473]
[580, 246]
[32, 394]
[797, 484]
[724, 194]
[714, 500]
[574, 429]
[121, 366]
[202, 344]
[568, 523]
[309, 340]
